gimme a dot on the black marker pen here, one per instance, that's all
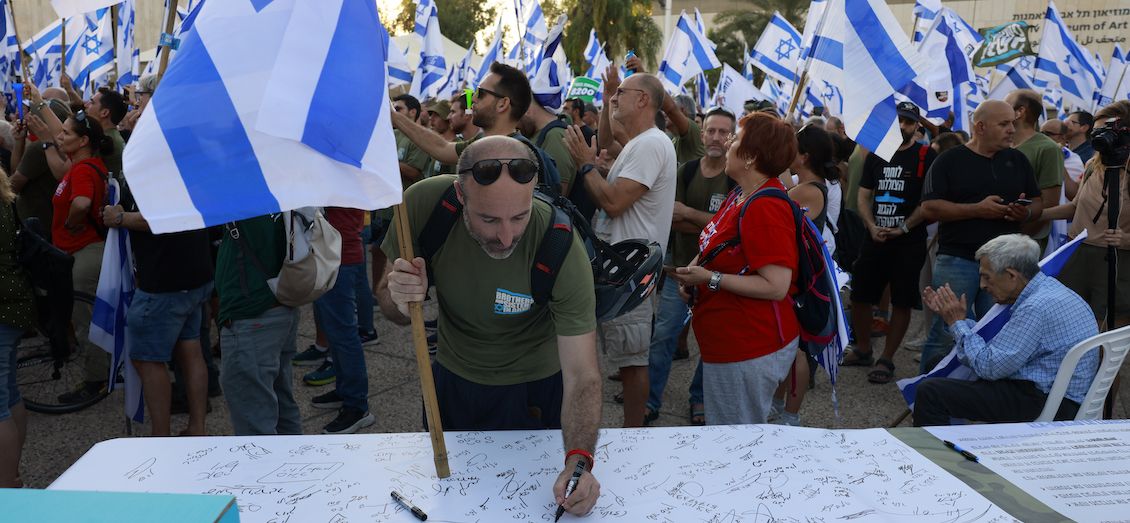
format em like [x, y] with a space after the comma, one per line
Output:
[403, 501]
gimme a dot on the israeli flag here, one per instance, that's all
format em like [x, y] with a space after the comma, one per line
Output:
[46, 52]
[1017, 75]
[536, 31]
[1053, 97]
[987, 327]
[112, 300]
[1117, 84]
[549, 86]
[1064, 63]
[457, 77]
[702, 90]
[733, 90]
[423, 14]
[688, 53]
[594, 54]
[778, 94]
[9, 53]
[812, 23]
[492, 55]
[832, 354]
[128, 55]
[72, 8]
[942, 86]
[432, 68]
[276, 136]
[925, 13]
[90, 58]
[861, 49]
[777, 51]
[399, 70]
[747, 63]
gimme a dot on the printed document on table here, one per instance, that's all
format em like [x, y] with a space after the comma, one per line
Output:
[1080, 469]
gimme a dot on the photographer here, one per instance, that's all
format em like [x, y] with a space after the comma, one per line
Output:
[1086, 271]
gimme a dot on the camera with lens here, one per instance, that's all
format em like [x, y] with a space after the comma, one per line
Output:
[1112, 142]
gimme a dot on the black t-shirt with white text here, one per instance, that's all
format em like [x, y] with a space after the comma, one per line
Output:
[897, 187]
[960, 175]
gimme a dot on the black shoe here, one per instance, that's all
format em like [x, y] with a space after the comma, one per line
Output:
[368, 337]
[348, 421]
[329, 400]
[85, 392]
[681, 354]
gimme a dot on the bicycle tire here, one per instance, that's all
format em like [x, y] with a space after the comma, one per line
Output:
[41, 382]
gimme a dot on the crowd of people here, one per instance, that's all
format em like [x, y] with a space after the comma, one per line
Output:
[967, 216]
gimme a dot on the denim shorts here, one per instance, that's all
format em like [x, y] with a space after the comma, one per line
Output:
[9, 394]
[157, 321]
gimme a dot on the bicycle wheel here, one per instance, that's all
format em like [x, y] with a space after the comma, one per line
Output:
[42, 378]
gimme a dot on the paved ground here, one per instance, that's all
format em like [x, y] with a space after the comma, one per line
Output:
[55, 442]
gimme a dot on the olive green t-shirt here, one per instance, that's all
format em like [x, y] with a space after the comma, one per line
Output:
[490, 330]
[243, 290]
[407, 152]
[35, 198]
[855, 174]
[554, 146]
[114, 161]
[1046, 158]
[703, 194]
[689, 146]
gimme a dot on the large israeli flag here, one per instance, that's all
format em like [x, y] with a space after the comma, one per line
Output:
[1064, 63]
[430, 72]
[90, 56]
[688, 53]
[595, 56]
[108, 328]
[1117, 84]
[128, 55]
[861, 49]
[987, 327]
[493, 54]
[777, 51]
[943, 85]
[276, 135]
[925, 13]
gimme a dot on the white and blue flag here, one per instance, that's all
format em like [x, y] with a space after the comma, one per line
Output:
[779, 94]
[1062, 62]
[595, 56]
[399, 69]
[432, 67]
[276, 136]
[458, 76]
[777, 51]
[550, 83]
[747, 63]
[46, 52]
[1053, 97]
[987, 327]
[536, 31]
[71, 8]
[1017, 75]
[944, 84]
[688, 53]
[861, 49]
[1117, 85]
[108, 328]
[9, 53]
[494, 52]
[128, 55]
[90, 56]
[733, 90]
[423, 14]
[925, 13]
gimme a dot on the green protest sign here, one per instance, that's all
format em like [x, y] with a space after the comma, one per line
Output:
[584, 88]
[1003, 43]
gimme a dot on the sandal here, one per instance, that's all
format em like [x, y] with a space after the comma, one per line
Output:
[855, 358]
[698, 414]
[879, 375]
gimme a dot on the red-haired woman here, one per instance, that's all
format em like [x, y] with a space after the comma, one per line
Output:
[741, 281]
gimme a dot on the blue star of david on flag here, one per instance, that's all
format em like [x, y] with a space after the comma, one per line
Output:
[91, 43]
[785, 49]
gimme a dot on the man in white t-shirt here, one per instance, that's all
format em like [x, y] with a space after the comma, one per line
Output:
[635, 198]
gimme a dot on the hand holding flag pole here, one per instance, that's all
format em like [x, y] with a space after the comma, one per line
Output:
[420, 341]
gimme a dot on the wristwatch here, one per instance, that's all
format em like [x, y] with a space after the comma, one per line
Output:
[48, 145]
[904, 228]
[715, 281]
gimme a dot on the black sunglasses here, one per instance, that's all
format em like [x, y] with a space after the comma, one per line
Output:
[486, 172]
[495, 94]
[81, 117]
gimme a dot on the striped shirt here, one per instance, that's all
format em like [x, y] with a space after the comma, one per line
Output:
[1047, 320]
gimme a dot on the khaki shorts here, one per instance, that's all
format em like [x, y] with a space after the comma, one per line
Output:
[625, 340]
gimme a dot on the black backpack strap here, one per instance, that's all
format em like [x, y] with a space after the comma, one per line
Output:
[100, 229]
[686, 174]
[539, 140]
[554, 248]
[444, 216]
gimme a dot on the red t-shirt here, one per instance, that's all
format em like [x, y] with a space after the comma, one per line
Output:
[86, 178]
[731, 328]
[349, 223]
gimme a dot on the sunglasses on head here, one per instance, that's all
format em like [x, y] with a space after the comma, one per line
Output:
[486, 172]
[81, 117]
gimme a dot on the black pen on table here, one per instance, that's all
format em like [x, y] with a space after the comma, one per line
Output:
[403, 501]
[968, 455]
[570, 487]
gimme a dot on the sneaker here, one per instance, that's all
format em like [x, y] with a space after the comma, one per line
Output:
[348, 421]
[310, 357]
[329, 400]
[367, 337]
[324, 375]
[433, 343]
[86, 391]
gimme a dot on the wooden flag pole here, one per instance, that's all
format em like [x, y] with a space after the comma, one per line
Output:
[114, 28]
[63, 36]
[807, 63]
[420, 341]
[19, 43]
[170, 19]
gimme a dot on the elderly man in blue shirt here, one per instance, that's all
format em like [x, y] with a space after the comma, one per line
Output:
[1016, 368]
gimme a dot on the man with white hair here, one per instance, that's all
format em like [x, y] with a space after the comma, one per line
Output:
[1015, 369]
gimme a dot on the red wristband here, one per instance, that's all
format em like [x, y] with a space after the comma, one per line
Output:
[583, 453]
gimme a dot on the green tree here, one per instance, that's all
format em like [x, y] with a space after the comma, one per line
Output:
[733, 29]
[622, 25]
[459, 20]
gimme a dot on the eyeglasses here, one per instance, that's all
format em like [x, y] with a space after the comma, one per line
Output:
[1049, 133]
[81, 117]
[486, 172]
[479, 92]
[620, 90]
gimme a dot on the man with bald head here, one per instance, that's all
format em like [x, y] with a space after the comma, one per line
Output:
[977, 191]
[504, 361]
[635, 198]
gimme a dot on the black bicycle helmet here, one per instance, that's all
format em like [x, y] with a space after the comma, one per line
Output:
[625, 275]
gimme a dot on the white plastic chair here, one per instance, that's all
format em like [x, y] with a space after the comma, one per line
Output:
[1115, 345]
